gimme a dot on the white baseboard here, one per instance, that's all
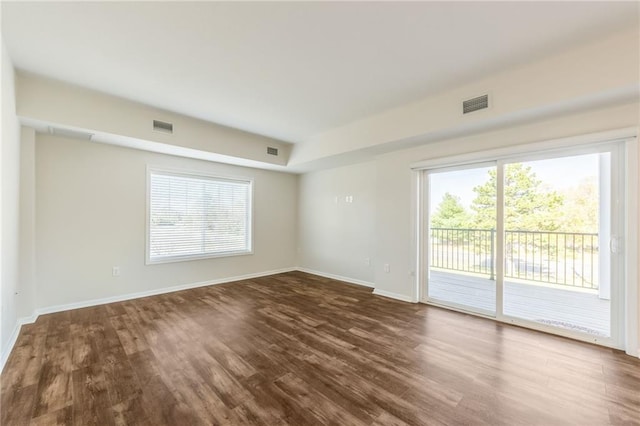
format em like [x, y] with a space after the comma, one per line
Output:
[392, 295]
[155, 292]
[12, 342]
[379, 292]
[336, 277]
[120, 298]
[14, 338]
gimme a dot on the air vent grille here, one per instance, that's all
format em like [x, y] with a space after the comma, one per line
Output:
[475, 104]
[162, 126]
[272, 151]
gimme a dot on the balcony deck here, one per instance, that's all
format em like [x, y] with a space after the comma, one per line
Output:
[575, 309]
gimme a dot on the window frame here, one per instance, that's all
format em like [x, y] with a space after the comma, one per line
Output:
[202, 175]
[627, 139]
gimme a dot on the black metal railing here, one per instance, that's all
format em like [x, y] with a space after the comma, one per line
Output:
[564, 258]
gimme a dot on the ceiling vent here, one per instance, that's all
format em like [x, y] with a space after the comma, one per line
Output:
[475, 104]
[162, 126]
[272, 151]
[68, 133]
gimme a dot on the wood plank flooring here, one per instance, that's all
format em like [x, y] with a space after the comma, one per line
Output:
[297, 349]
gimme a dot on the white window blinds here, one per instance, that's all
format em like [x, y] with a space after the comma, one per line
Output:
[197, 216]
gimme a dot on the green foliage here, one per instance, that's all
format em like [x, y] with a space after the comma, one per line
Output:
[580, 211]
[451, 213]
[528, 204]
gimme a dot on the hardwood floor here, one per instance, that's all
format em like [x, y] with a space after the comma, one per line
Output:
[299, 349]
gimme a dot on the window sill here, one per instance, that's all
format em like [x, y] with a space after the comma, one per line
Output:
[188, 258]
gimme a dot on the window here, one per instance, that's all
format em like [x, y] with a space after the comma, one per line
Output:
[541, 242]
[195, 216]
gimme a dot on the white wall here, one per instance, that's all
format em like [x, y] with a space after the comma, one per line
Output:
[585, 77]
[337, 234]
[82, 205]
[43, 101]
[25, 300]
[9, 205]
[90, 216]
[394, 244]
[390, 179]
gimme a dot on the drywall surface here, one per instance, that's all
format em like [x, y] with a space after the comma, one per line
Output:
[9, 204]
[336, 238]
[27, 256]
[395, 202]
[588, 77]
[91, 215]
[337, 221]
[48, 101]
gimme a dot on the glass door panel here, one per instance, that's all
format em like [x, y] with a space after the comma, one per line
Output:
[557, 224]
[461, 238]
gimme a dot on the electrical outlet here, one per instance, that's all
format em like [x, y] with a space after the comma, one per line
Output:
[115, 271]
[367, 261]
[387, 268]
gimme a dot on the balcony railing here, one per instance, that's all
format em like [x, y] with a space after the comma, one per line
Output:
[563, 258]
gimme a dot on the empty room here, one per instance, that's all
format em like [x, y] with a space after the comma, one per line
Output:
[320, 213]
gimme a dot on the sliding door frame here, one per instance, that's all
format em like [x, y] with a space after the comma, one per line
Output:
[424, 294]
[627, 181]
[616, 189]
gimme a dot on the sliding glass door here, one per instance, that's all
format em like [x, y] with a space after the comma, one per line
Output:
[531, 240]
[462, 233]
[556, 217]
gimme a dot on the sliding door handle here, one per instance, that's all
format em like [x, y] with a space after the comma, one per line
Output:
[615, 245]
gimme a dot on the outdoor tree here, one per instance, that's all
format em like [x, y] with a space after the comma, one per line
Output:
[529, 205]
[580, 211]
[451, 213]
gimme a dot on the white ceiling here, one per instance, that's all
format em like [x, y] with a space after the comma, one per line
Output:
[291, 70]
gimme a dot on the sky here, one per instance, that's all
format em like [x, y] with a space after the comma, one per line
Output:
[558, 173]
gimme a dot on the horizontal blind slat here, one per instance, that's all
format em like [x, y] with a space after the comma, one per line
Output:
[197, 216]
